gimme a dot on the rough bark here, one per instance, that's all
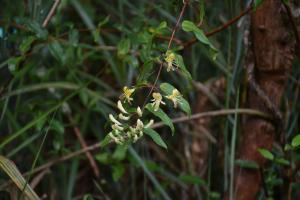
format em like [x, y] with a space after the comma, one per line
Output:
[271, 54]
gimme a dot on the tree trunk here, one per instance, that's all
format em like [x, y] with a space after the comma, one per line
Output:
[271, 54]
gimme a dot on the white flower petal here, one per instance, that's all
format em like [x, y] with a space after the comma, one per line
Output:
[150, 123]
[123, 117]
[111, 117]
[139, 111]
[121, 108]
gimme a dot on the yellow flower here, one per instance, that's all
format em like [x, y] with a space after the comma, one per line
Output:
[170, 58]
[127, 92]
[157, 100]
[174, 97]
[117, 127]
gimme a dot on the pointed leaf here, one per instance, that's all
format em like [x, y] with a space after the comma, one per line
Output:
[57, 51]
[296, 141]
[179, 62]
[266, 154]
[25, 45]
[155, 137]
[162, 115]
[189, 26]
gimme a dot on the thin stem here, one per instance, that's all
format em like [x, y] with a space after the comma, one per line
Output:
[185, 3]
[51, 13]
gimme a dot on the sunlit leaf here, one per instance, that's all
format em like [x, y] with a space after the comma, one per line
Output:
[296, 141]
[266, 154]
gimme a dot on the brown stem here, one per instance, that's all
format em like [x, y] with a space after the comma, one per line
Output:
[220, 28]
[84, 145]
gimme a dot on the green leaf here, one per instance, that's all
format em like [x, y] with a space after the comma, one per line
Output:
[286, 2]
[74, 37]
[25, 45]
[145, 72]
[282, 161]
[202, 11]
[118, 171]
[57, 51]
[266, 154]
[120, 152]
[190, 179]
[14, 62]
[12, 171]
[248, 164]
[287, 147]
[180, 64]
[162, 115]
[155, 137]
[183, 104]
[189, 26]
[35, 27]
[88, 197]
[123, 47]
[296, 141]
[159, 29]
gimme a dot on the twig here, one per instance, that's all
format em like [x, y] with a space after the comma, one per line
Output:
[220, 28]
[84, 145]
[214, 113]
[51, 13]
[156, 125]
[66, 157]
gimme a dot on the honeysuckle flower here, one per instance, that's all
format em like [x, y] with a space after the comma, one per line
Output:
[114, 138]
[127, 92]
[139, 125]
[174, 97]
[111, 117]
[117, 127]
[170, 58]
[121, 108]
[157, 100]
[135, 138]
[123, 117]
[150, 123]
[139, 111]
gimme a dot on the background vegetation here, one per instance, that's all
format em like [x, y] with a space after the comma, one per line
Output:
[60, 80]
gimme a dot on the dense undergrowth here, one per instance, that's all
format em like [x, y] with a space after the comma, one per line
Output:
[61, 79]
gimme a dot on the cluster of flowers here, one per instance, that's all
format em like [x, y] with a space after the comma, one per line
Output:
[121, 131]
